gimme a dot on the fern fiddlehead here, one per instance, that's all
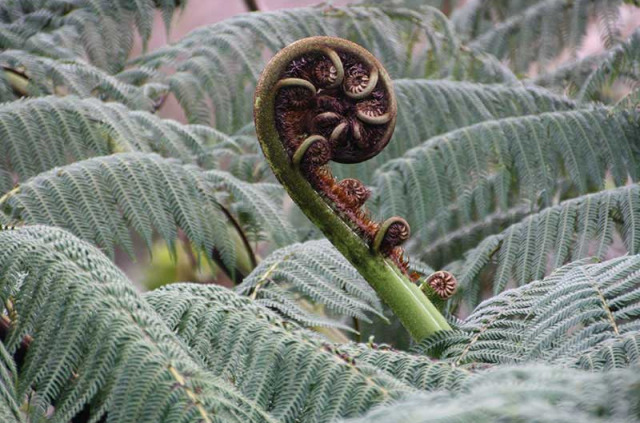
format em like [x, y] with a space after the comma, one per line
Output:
[325, 99]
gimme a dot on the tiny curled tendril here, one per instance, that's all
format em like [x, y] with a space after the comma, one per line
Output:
[322, 100]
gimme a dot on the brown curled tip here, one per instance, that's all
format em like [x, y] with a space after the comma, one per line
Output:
[392, 233]
[354, 193]
[341, 92]
[443, 283]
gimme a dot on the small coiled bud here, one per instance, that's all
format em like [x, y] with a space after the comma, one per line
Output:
[354, 193]
[443, 283]
[392, 233]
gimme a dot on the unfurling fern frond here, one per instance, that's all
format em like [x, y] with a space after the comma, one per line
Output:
[101, 198]
[427, 108]
[96, 347]
[578, 228]
[217, 66]
[537, 393]
[291, 372]
[493, 169]
[584, 315]
[314, 270]
[39, 134]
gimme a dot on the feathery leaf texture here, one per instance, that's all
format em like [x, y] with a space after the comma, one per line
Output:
[217, 66]
[540, 32]
[537, 393]
[582, 227]
[291, 372]
[99, 199]
[313, 270]
[427, 108]
[584, 315]
[97, 344]
[39, 134]
[494, 169]
[43, 76]
[9, 402]
[102, 30]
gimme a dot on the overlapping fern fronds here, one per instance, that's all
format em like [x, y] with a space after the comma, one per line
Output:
[291, 372]
[583, 315]
[39, 134]
[489, 172]
[427, 108]
[586, 226]
[96, 345]
[9, 402]
[540, 31]
[217, 66]
[537, 393]
[99, 199]
[313, 270]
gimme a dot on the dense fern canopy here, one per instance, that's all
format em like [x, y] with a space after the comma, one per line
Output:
[515, 160]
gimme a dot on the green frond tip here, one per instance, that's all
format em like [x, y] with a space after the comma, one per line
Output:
[96, 346]
[413, 309]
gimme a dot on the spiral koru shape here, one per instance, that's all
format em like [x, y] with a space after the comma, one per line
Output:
[332, 101]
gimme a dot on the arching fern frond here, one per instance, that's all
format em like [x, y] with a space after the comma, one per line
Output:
[622, 63]
[584, 315]
[539, 393]
[291, 372]
[540, 32]
[96, 346]
[578, 228]
[463, 177]
[427, 108]
[217, 66]
[101, 198]
[39, 134]
[313, 270]
[101, 30]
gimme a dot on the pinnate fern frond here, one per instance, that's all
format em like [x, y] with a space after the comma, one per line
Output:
[583, 315]
[96, 345]
[41, 76]
[291, 372]
[41, 133]
[583, 227]
[101, 30]
[313, 270]
[497, 167]
[101, 198]
[217, 66]
[427, 108]
[541, 31]
[538, 393]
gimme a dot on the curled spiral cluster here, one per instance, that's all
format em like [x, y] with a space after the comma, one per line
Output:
[334, 102]
[443, 283]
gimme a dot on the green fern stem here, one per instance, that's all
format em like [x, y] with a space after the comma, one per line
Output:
[418, 315]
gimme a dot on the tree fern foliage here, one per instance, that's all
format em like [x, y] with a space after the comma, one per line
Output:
[515, 163]
[96, 346]
[521, 394]
[583, 315]
[99, 199]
